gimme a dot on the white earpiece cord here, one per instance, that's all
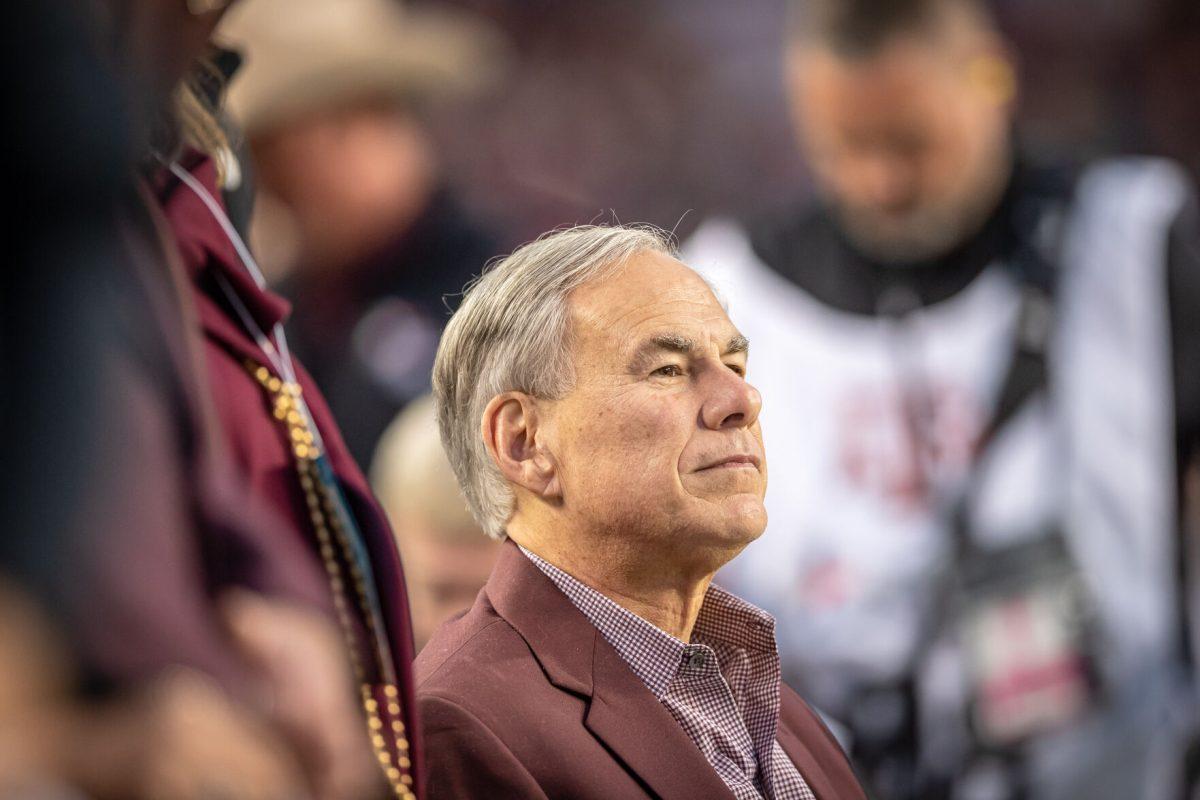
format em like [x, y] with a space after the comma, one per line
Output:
[281, 357]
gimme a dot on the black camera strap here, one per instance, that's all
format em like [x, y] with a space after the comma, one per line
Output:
[1037, 227]
[1033, 235]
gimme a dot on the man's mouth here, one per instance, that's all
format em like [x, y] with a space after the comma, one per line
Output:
[737, 461]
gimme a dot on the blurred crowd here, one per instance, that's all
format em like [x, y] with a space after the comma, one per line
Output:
[241, 228]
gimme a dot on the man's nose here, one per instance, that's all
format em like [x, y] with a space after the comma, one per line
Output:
[731, 402]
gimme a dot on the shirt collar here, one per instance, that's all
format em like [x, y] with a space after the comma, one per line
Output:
[725, 621]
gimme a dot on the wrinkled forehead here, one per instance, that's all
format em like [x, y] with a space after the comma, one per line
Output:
[652, 294]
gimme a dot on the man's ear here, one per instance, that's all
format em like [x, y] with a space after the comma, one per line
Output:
[511, 432]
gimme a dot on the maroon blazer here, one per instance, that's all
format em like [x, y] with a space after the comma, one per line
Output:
[521, 697]
[281, 561]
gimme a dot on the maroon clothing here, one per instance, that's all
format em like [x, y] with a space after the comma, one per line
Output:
[522, 697]
[167, 522]
[258, 443]
[723, 687]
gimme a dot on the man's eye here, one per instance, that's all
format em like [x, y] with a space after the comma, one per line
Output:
[738, 369]
[669, 371]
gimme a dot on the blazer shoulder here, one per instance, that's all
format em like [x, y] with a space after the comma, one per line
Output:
[462, 644]
[482, 665]
[481, 662]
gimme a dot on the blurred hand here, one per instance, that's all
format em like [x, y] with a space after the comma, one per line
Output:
[180, 738]
[34, 674]
[177, 738]
[313, 697]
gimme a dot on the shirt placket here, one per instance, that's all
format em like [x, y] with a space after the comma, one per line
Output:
[701, 687]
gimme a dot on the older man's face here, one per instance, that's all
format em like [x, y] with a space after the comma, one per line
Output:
[659, 440]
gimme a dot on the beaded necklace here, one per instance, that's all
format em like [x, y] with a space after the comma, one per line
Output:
[339, 540]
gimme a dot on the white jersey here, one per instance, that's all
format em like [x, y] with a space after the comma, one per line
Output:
[855, 536]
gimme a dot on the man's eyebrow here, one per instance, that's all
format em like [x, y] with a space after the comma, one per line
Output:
[670, 341]
[738, 344]
[677, 343]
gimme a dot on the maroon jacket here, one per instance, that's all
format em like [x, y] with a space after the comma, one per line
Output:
[192, 490]
[523, 698]
[281, 561]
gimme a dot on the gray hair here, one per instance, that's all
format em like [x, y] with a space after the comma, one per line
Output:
[511, 333]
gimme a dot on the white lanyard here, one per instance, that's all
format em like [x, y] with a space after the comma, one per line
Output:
[281, 357]
[282, 360]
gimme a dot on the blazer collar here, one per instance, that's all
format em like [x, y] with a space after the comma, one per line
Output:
[622, 713]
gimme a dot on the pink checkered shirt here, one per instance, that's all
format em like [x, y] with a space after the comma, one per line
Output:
[723, 688]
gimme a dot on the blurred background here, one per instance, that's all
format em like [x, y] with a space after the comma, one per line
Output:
[379, 155]
[670, 112]
[520, 117]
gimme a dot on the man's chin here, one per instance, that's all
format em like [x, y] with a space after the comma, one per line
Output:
[711, 549]
[902, 244]
[743, 518]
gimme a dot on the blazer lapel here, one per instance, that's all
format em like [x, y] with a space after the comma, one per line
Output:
[630, 720]
[795, 748]
[622, 713]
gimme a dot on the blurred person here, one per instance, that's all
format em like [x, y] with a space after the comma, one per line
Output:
[223, 532]
[982, 369]
[592, 397]
[332, 105]
[68, 246]
[100, 440]
[447, 559]
[328, 550]
[76, 310]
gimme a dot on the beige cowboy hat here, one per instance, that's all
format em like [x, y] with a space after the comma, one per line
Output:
[306, 55]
